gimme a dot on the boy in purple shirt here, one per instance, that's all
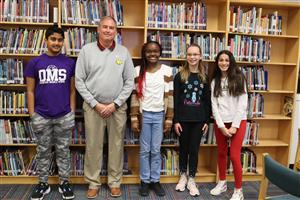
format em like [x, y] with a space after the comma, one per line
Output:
[51, 105]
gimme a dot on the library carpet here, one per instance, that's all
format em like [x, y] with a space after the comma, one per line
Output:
[130, 192]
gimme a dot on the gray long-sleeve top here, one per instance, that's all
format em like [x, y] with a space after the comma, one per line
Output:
[104, 76]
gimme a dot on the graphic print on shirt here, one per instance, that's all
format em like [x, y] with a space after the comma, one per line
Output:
[52, 75]
[193, 92]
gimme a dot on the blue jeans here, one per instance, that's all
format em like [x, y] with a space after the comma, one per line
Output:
[150, 142]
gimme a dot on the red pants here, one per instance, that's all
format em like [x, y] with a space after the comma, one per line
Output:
[235, 152]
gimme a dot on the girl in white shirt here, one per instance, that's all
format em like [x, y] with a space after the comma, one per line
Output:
[229, 107]
[151, 114]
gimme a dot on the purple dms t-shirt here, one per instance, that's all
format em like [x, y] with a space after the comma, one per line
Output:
[52, 76]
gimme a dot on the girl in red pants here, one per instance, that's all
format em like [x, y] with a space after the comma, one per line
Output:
[229, 106]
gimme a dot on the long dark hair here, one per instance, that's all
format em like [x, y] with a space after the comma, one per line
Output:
[235, 77]
[143, 68]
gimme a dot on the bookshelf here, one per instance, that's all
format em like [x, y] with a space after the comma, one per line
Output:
[275, 129]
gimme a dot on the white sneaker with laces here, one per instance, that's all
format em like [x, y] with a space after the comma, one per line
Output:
[220, 187]
[192, 187]
[181, 183]
[237, 194]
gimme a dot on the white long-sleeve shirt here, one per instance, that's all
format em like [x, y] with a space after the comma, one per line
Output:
[228, 109]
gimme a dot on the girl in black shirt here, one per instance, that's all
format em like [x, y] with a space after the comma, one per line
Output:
[191, 115]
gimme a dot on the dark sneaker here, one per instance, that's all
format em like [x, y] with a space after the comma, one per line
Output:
[144, 189]
[40, 191]
[159, 191]
[66, 190]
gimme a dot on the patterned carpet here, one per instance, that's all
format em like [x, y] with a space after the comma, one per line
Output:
[130, 192]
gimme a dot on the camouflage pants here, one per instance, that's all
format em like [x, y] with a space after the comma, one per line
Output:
[51, 132]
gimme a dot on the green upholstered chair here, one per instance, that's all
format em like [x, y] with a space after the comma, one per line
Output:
[286, 179]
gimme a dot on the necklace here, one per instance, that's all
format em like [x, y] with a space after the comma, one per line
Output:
[224, 83]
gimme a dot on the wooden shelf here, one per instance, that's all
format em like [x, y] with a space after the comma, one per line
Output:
[186, 30]
[204, 175]
[13, 85]
[272, 91]
[17, 145]
[272, 117]
[271, 4]
[262, 143]
[95, 26]
[269, 143]
[14, 115]
[25, 24]
[17, 55]
[266, 36]
[275, 129]
[267, 63]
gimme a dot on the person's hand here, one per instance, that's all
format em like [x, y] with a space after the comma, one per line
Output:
[167, 127]
[232, 130]
[108, 110]
[99, 107]
[177, 128]
[205, 129]
[225, 132]
[135, 127]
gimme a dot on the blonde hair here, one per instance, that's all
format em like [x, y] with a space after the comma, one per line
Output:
[185, 71]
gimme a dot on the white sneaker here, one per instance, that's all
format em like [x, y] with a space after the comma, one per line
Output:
[237, 194]
[192, 187]
[181, 183]
[220, 187]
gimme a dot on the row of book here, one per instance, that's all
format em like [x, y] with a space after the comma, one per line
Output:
[245, 48]
[248, 160]
[12, 102]
[169, 162]
[78, 133]
[11, 71]
[256, 76]
[251, 133]
[21, 132]
[177, 15]
[76, 38]
[13, 163]
[90, 12]
[24, 11]
[174, 45]
[255, 105]
[16, 132]
[22, 41]
[244, 20]
[26, 41]
[250, 138]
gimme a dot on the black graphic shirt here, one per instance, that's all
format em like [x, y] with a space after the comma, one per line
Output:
[191, 100]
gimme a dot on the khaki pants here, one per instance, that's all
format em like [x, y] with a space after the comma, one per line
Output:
[95, 129]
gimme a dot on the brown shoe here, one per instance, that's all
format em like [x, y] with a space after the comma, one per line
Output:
[115, 192]
[92, 193]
